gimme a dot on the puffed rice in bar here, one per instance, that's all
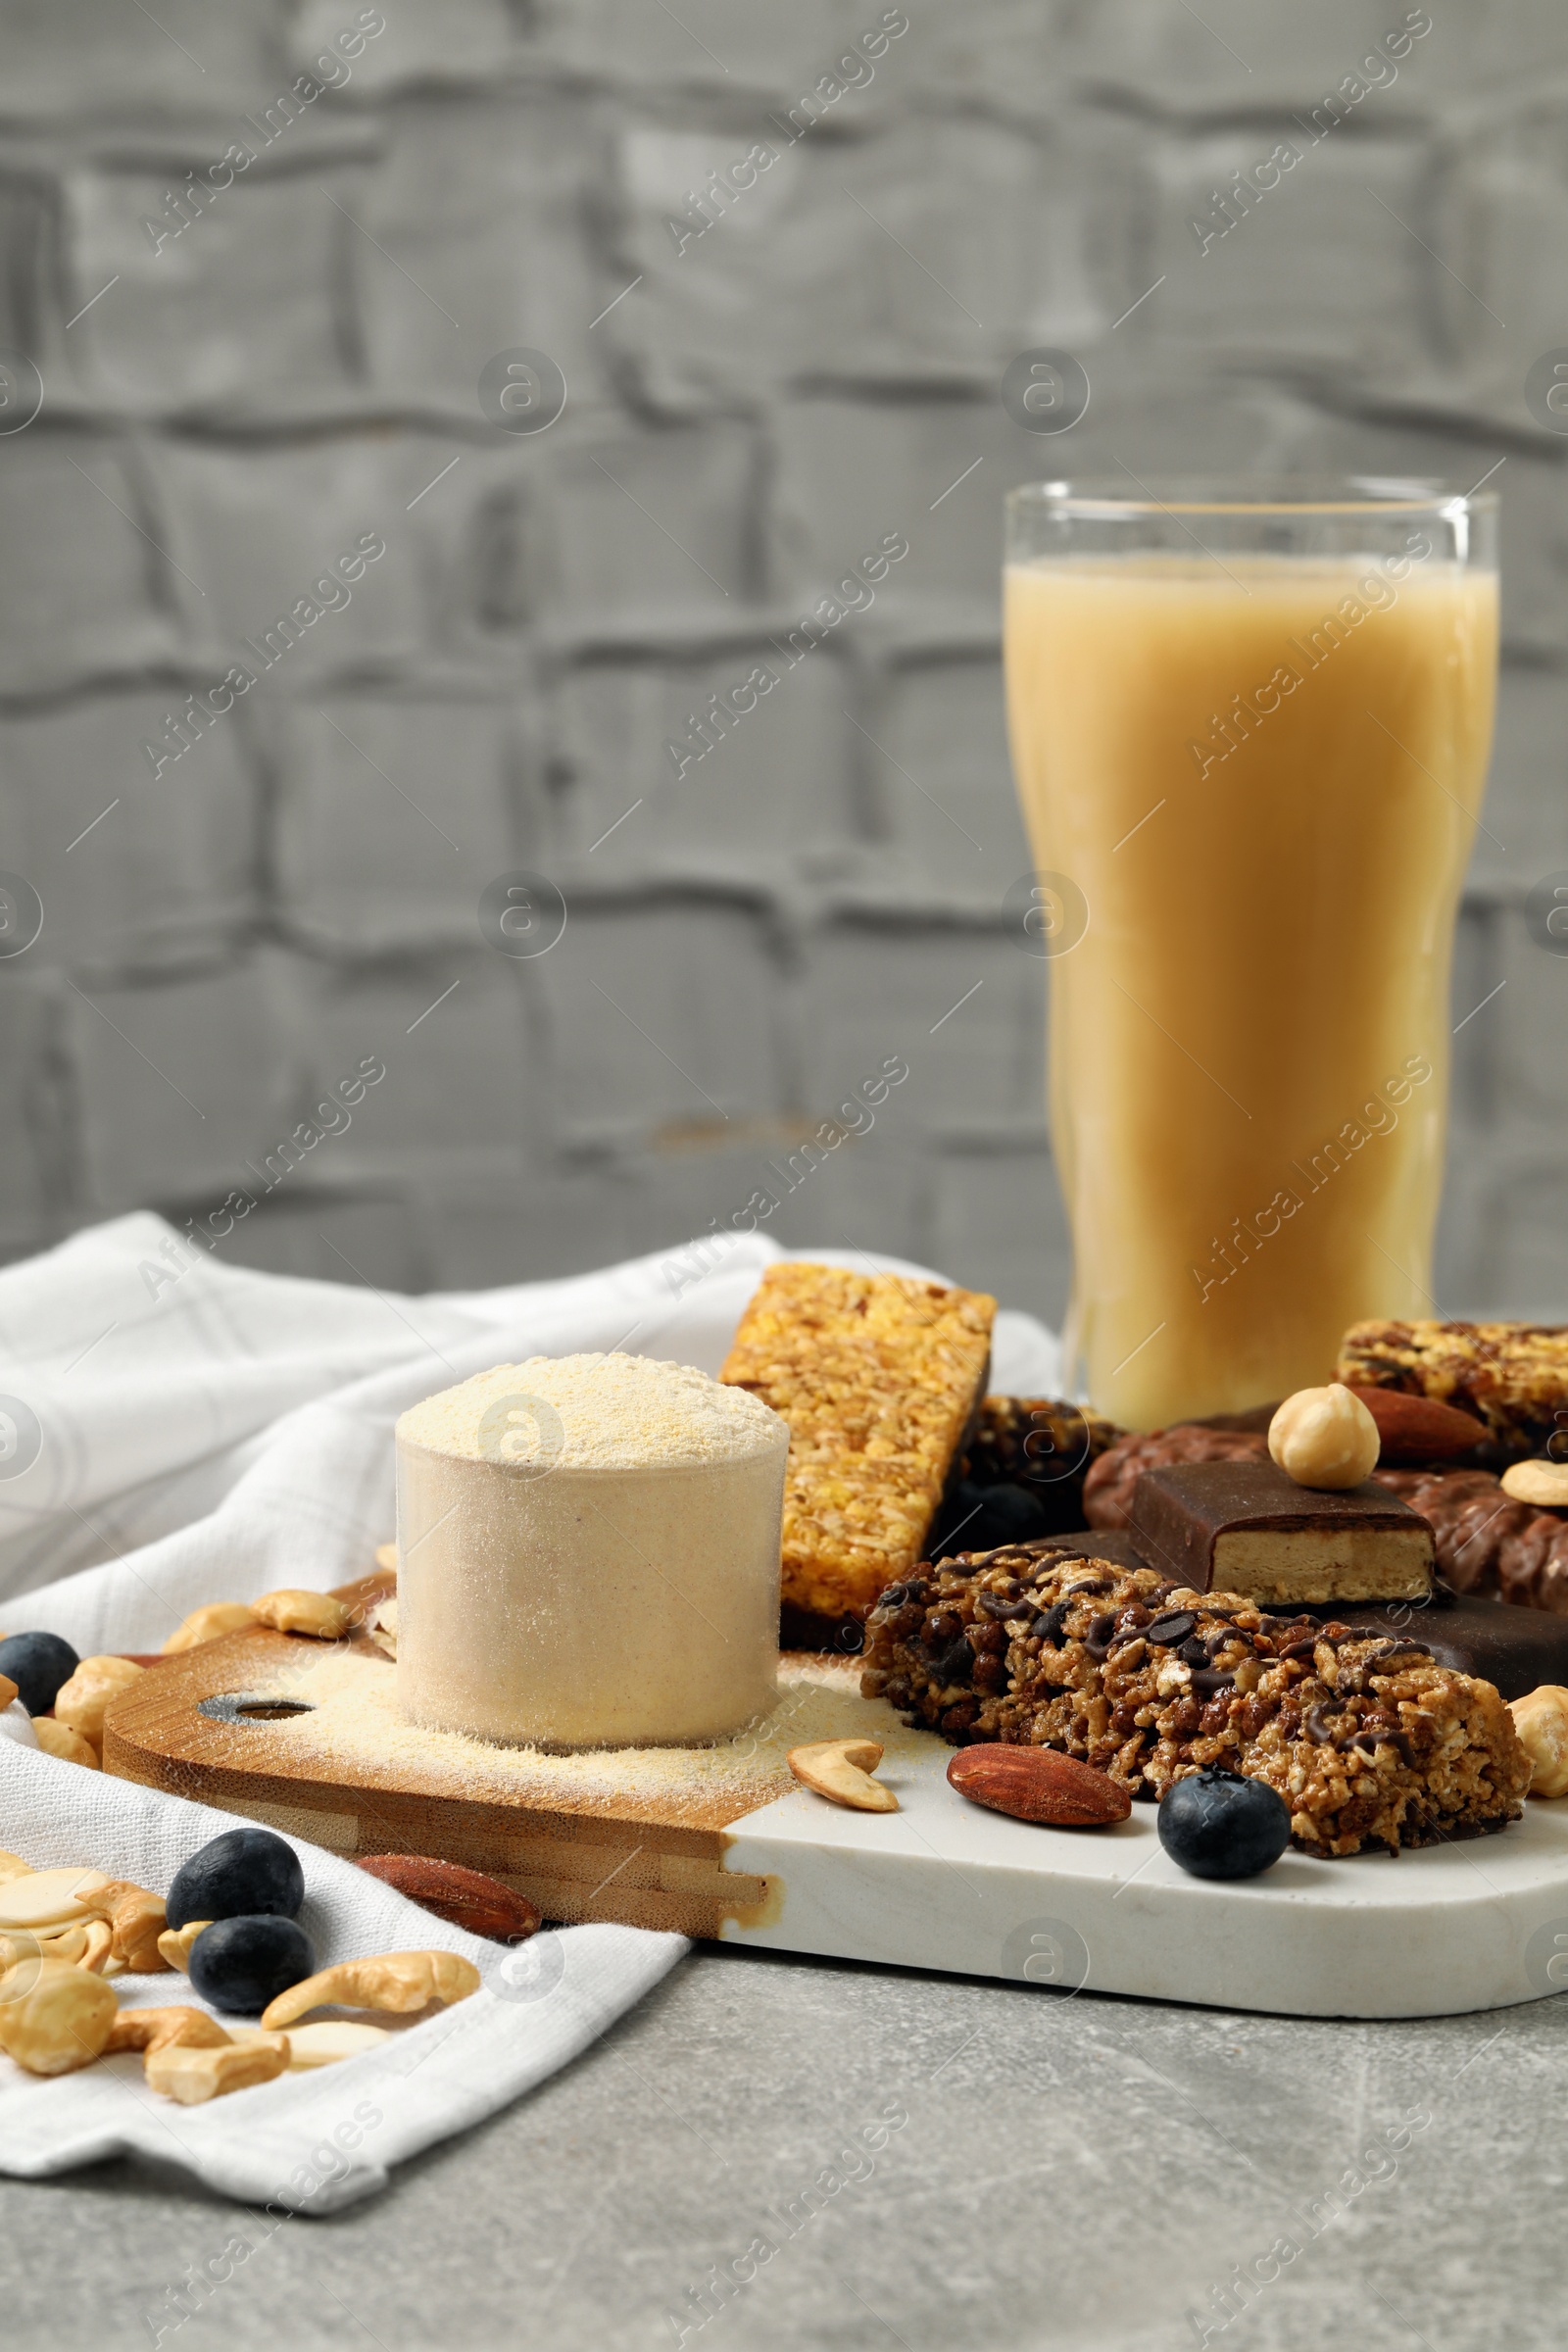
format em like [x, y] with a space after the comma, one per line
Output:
[879, 1377]
[1367, 1740]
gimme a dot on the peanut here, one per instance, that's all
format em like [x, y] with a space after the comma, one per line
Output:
[841, 1770]
[1540, 1719]
[80, 1704]
[395, 1980]
[290, 1611]
[59, 1739]
[1324, 1437]
[53, 2017]
[192, 2074]
[206, 1625]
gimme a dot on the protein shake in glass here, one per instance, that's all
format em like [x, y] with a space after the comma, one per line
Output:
[1251, 738]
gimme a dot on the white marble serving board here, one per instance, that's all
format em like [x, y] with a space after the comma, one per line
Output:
[942, 1884]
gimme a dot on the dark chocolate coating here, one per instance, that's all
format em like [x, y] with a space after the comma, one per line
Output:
[1093, 1544]
[1516, 1649]
[1178, 1513]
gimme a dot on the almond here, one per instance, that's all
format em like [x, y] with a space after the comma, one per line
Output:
[466, 1897]
[1038, 1784]
[1413, 1429]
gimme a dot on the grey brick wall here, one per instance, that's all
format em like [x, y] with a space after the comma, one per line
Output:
[229, 410]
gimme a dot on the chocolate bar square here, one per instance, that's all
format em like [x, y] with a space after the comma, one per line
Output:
[1245, 1527]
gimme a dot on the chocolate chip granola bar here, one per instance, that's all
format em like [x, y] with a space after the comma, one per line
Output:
[1366, 1739]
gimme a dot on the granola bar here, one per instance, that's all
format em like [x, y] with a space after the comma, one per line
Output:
[1366, 1739]
[1511, 1376]
[879, 1377]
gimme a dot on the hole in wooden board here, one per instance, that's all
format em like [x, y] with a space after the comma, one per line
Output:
[245, 1706]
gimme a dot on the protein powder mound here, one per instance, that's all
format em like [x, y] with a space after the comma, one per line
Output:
[592, 1412]
[588, 1555]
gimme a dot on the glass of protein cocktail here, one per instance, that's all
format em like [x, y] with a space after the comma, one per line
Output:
[1250, 731]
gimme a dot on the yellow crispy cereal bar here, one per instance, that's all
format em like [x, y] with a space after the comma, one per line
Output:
[879, 1377]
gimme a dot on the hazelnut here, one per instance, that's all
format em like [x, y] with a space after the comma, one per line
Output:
[1324, 1437]
[1540, 1719]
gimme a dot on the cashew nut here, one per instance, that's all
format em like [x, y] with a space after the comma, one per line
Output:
[79, 1704]
[1544, 1484]
[842, 1769]
[191, 2075]
[174, 1943]
[53, 2017]
[317, 1614]
[1324, 1437]
[324, 2042]
[206, 1625]
[163, 2029]
[396, 1981]
[136, 1919]
[99, 1951]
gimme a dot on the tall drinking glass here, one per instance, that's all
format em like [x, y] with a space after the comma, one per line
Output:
[1250, 732]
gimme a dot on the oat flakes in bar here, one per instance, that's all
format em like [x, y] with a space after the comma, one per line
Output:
[879, 1378]
[1368, 1740]
[1511, 1376]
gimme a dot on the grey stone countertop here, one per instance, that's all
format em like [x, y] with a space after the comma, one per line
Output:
[873, 2158]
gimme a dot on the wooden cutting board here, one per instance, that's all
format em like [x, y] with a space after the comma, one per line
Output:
[306, 1737]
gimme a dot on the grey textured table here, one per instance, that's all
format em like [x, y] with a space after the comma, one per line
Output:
[1074, 2172]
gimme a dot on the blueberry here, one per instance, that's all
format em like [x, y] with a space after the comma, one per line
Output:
[1218, 1824]
[41, 1665]
[1009, 1513]
[241, 1964]
[244, 1871]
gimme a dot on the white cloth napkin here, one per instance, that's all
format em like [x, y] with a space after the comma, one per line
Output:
[175, 1431]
